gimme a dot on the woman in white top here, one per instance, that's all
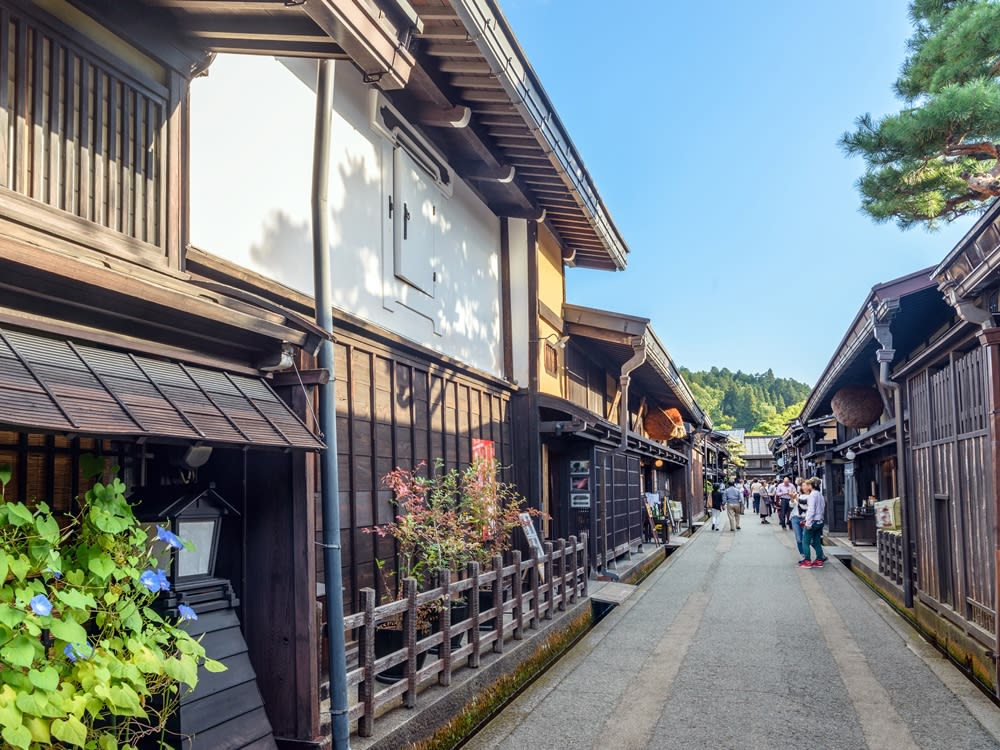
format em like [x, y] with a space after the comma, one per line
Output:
[797, 510]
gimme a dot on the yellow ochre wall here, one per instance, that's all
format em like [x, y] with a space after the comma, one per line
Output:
[552, 294]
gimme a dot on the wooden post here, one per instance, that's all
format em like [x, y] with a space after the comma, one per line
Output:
[574, 557]
[536, 592]
[474, 614]
[560, 553]
[366, 650]
[518, 611]
[410, 641]
[584, 541]
[444, 650]
[498, 603]
[549, 582]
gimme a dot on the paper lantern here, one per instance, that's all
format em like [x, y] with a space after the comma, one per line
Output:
[857, 406]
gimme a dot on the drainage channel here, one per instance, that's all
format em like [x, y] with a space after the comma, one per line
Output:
[963, 668]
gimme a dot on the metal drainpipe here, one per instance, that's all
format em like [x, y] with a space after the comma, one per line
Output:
[329, 471]
[884, 356]
[638, 357]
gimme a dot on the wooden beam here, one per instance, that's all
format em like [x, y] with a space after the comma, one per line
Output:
[517, 133]
[517, 212]
[476, 82]
[450, 117]
[489, 97]
[466, 50]
[465, 67]
[481, 173]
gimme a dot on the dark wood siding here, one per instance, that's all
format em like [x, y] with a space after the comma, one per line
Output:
[396, 409]
[954, 515]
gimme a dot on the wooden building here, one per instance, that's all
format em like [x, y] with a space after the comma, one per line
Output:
[758, 458]
[930, 361]
[612, 420]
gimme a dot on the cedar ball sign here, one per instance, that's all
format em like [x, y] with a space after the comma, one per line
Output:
[857, 406]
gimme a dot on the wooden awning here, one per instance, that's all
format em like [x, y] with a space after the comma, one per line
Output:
[57, 385]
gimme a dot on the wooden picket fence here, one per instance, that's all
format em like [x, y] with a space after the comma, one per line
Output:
[529, 590]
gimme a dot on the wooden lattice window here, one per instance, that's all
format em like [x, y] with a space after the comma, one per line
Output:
[551, 357]
[47, 467]
[77, 134]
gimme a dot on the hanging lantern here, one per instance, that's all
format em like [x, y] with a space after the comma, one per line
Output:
[857, 406]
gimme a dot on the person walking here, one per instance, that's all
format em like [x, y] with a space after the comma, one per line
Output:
[757, 493]
[769, 491]
[812, 526]
[717, 504]
[784, 494]
[734, 505]
[797, 515]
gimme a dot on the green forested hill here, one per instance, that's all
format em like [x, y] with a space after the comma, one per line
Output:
[760, 403]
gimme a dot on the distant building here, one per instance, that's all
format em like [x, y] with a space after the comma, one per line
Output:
[757, 456]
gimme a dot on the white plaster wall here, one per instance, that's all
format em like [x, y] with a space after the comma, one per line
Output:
[518, 240]
[251, 163]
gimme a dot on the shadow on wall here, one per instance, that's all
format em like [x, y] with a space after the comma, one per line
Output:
[285, 251]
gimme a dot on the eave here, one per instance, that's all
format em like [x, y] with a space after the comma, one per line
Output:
[470, 58]
[971, 264]
[617, 334]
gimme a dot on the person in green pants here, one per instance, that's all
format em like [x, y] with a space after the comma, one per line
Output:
[812, 526]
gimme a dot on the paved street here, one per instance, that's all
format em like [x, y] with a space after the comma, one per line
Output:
[730, 645]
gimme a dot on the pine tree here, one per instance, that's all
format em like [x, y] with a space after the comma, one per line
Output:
[939, 156]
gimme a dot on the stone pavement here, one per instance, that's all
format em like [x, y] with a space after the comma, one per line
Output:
[729, 645]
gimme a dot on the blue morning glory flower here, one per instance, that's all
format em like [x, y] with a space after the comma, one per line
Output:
[150, 580]
[41, 605]
[165, 535]
[161, 578]
[74, 651]
[54, 573]
[186, 612]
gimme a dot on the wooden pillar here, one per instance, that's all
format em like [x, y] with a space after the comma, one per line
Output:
[990, 338]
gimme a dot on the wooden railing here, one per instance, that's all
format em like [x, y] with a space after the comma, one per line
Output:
[520, 594]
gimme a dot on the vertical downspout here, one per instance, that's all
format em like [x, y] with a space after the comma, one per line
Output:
[884, 357]
[637, 358]
[329, 471]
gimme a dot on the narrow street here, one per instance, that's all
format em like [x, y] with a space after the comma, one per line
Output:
[730, 645]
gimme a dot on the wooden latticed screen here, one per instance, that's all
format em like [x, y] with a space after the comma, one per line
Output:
[77, 134]
[954, 514]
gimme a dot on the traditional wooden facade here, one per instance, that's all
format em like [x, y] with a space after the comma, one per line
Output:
[929, 444]
[614, 420]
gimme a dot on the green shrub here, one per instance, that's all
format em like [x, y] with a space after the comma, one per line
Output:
[85, 661]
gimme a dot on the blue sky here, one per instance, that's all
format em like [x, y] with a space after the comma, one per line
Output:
[710, 129]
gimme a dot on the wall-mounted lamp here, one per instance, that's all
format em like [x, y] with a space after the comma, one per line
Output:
[850, 455]
[559, 342]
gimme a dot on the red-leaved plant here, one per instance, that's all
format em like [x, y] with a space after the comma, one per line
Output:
[448, 519]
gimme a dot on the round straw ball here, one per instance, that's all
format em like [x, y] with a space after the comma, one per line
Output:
[856, 406]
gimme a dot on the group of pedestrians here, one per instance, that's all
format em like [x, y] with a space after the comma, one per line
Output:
[799, 505]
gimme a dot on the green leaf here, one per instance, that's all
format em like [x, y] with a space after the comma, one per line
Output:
[46, 679]
[211, 665]
[48, 528]
[74, 576]
[107, 742]
[70, 731]
[76, 599]
[18, 515]
[39, 729]
[91, 466]
[101, 566]
[21, 651]
[68, 630]
[33, 704]
[3, 566]
[183, 669]
[19, 566]
[6, 472]
[126, 700]
[11, 616]
[18, 736]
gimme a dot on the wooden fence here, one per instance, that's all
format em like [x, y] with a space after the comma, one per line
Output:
[529, 590]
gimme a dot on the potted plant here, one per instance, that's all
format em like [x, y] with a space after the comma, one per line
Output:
[445, 521]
